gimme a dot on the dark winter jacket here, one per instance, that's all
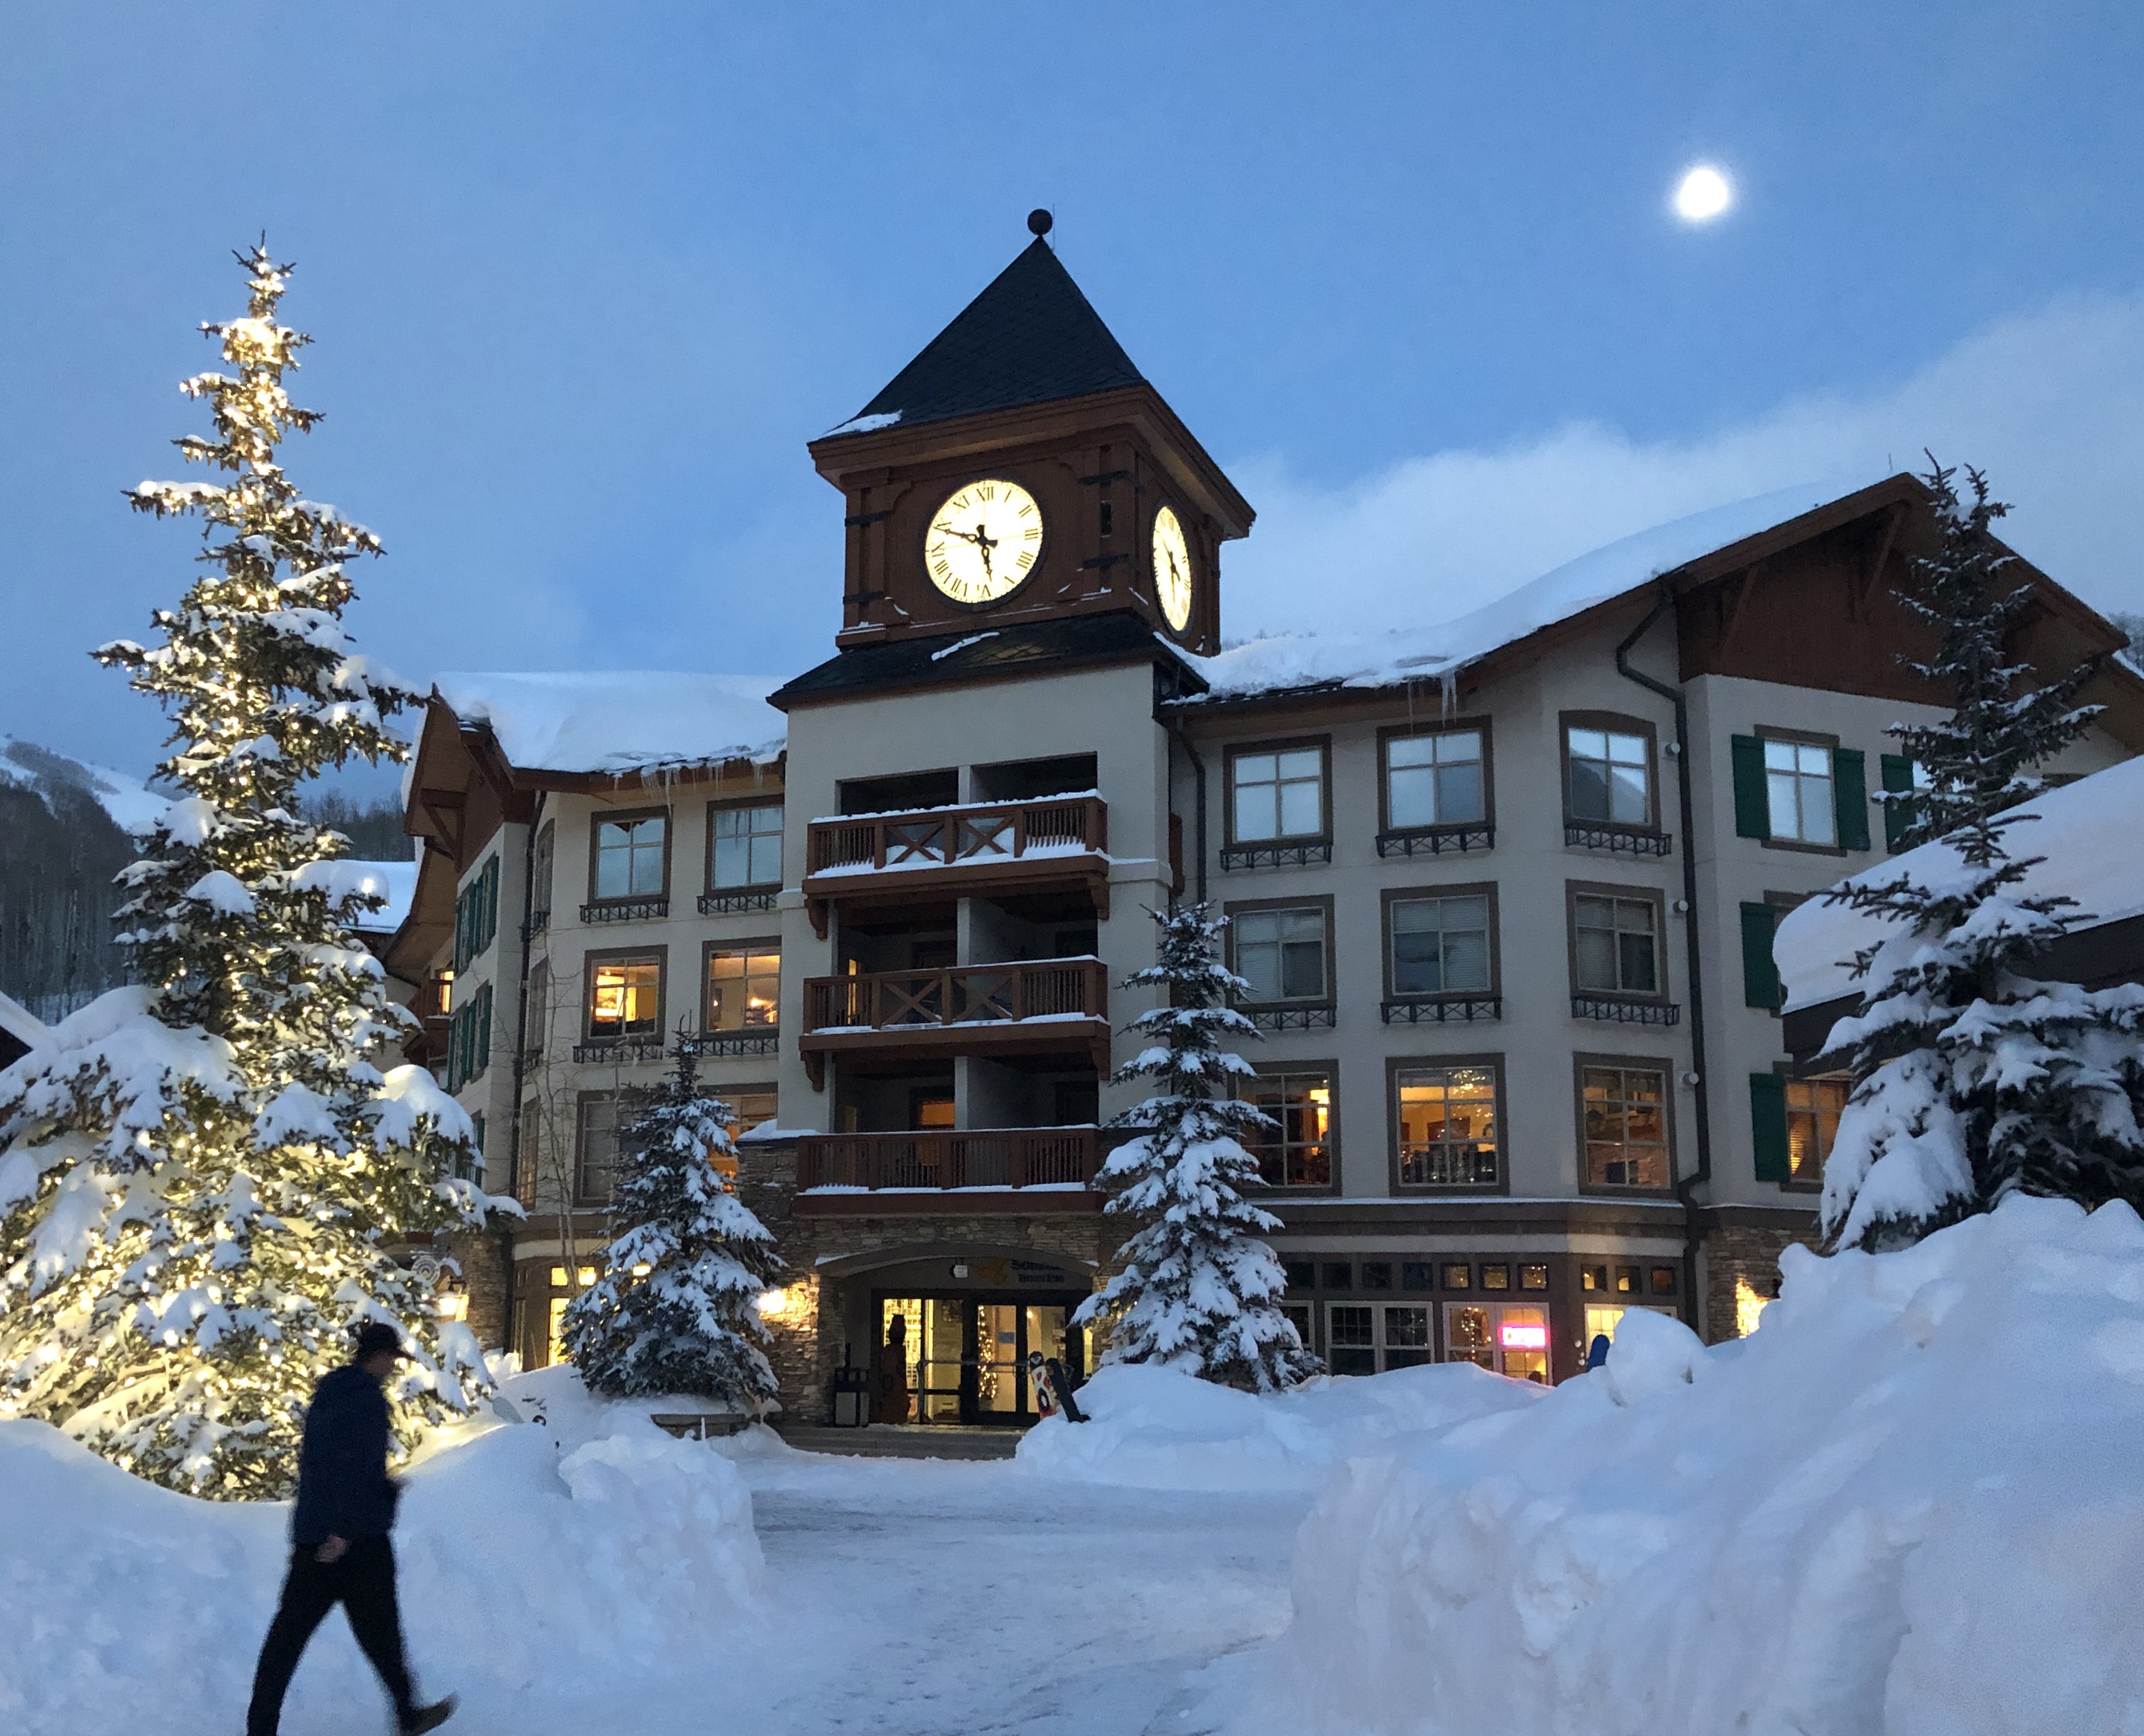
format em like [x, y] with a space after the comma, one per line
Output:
[344, 1489]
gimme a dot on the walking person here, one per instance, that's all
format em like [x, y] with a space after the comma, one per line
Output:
[339, 1553]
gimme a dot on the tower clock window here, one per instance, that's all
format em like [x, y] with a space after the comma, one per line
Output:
[1172, 568]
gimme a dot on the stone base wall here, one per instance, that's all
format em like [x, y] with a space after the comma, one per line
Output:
[485, 1258]
[1739, 1269]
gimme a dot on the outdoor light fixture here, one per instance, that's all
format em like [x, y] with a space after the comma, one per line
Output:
[773, 1303]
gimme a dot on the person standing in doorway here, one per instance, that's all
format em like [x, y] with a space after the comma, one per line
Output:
[892, 1396]
[339, 1548]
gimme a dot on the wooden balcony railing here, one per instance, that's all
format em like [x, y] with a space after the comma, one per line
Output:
[978, 842]
[1066, 1157]
[967, 994]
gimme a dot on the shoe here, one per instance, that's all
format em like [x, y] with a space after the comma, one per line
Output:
[428, 1717]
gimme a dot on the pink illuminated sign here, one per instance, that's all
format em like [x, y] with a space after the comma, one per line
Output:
[1523, 1337]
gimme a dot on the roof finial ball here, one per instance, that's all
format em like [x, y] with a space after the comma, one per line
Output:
[1038, 222]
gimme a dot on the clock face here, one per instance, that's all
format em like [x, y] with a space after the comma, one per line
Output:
[984, 541]
[1172, 568]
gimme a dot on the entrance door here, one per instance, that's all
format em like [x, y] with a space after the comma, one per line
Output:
[1507, 1338]
[967, 1356]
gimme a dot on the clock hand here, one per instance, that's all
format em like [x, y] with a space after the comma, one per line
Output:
[954, 530]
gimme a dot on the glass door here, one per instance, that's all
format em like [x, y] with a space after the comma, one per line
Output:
[1506, 1338]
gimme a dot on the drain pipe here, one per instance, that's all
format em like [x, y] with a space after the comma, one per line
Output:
[1686, 1187]
[1197, 794]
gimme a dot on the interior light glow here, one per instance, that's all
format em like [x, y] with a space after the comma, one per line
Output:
[1515, 1336]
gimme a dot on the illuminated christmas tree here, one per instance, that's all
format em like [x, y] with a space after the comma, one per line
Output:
[205, 1178]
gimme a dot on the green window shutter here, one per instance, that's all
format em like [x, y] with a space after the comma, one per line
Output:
[491, 900]
[456, 1022]
[1850, 796]
[1897, 771]
[461, 932]
[1753, 817]
[480, 1045]
[1767, 1122]
[1761, 976]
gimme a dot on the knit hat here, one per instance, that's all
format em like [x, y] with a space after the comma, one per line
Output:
[374, 1336]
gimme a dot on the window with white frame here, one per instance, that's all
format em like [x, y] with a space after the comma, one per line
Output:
[1281, 954]
[1435, 779]
[746, 850]
[1608, 775]
[1798, 792]
[1615, 944]
[1439, 945]
[1277, 795]
[1447, 1126]
[629, 857]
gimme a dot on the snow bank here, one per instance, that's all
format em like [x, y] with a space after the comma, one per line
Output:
[1909, 1504]
[620, 720]
[129, 1607]
[1153, 1428]
[1429, 652]
[2086, 831]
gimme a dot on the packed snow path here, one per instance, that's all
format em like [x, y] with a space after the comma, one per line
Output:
[934, 1598]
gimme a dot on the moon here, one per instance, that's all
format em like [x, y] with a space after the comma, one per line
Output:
[1703, 194]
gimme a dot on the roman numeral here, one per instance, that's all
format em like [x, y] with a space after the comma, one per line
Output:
[1033, 534]
[1026, 559]
[985, 491]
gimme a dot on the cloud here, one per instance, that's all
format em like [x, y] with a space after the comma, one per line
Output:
[2050, 403]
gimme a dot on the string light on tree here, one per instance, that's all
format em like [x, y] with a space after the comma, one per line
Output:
[203, 1178]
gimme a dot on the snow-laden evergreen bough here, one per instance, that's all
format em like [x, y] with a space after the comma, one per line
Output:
[1973, 1080]
[205, 1178]
[1196, 1288]
[676, 1307]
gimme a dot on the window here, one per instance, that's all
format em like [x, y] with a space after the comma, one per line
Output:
[476, 915]
[1623, 1117]
[595, 1148]
[1368, 1338]
[1439, 945]
[1533, 1278]
[1297, 1151]
[1614, 944]
[1496, 1275]
[1438, 779]
[745, 846]
[625, 996]
[1814, 1107]
[468, 1038]
[1277, 794]
[1447, 1125]
[1416, 1275]
[1281, 954]
[1904, 779]
[744, 988]
[629, 856]
[1340, 1275]
[542, 872]
[1608, 775]
[1798, 792]
[1455, 1275]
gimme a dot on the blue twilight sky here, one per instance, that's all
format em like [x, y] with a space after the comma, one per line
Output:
[584, 280]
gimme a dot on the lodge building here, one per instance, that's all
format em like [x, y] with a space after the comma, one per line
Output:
[1503, 890]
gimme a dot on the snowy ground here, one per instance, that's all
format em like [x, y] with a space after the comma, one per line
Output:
[1910, 1504]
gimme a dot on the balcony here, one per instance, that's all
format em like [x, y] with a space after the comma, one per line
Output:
[980, 847]
[994, 1169]
[1030, 1005]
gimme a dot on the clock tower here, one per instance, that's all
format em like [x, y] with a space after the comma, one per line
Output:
[1021, 471]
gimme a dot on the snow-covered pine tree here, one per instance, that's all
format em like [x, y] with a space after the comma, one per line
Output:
[1981, 759]
[1196, 1288]
[1971, 1079]
[203, 1177]
[676, 1309]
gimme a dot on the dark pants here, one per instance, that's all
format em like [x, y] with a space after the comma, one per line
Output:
[363, 1582]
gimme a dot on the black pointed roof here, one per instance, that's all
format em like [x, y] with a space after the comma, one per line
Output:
[1030, 338]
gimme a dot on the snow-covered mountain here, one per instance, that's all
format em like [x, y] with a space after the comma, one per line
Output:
[133, 806]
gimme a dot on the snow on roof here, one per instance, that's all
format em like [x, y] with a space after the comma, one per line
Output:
[2086, 831]
[20, 1022]
[619, 720]
[134, 809]
[1421, 653]
[397, 881]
